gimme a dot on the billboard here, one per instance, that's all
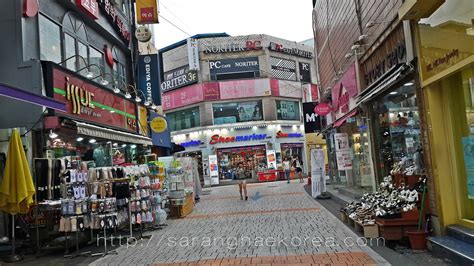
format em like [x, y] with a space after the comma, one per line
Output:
[234, 112]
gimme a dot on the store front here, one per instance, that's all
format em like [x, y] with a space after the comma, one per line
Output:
[446, 47]
[98, 125]
[252, 159]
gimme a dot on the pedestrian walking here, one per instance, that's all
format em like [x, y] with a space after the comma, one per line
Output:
[299, 169]
[242, 182]
[287, 168]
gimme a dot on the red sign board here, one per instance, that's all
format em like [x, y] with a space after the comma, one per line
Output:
[87, 102]
[322, 109]
[90, 7]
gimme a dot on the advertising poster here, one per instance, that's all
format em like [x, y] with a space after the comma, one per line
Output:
[271, 159]
[468, 151]
[343, 151]
[213, 169]
[318, 172]
[225, 113]
[288, 110]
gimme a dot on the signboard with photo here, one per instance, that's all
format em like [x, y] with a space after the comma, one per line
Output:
[225, 113]
[343, 151]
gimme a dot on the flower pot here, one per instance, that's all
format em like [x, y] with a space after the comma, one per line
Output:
[418, 239]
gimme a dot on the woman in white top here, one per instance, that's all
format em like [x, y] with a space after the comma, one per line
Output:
[287, 167]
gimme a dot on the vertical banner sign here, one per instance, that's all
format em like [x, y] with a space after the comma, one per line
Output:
[147, 11]
[213, 170]
[343, 152]
[148, 78]
[142, 121]
[305, 72]
[312, 121]
[318, 172]
[468, 150]
[160, 134]
[271, 159]
[193, 54]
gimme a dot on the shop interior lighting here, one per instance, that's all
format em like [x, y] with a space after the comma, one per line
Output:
[254, 127]
[80, 139]
[133, 146]
[408, 84]
[92, 141]
[294, 127]
[279, 127]
[52, 134]
[115, 144]
[393, 92]
[301, 127]
[124, 145]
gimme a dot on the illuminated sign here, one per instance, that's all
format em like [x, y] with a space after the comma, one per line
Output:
[280, 134]
[215, 139]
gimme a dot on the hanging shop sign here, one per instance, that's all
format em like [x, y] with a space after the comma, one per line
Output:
[148, 78]
[312, 121]
[147, 11]
[116, 19]
[178, 78]
[283, 68]
[216, 139]
[193, 54]
[390, 53]
[276, 47]
[88, 102]
[344, 93]
[90, 7]
[322, 109]
[233, 47]
[280, 134]
[305, 72]
[158, 124]
[247, 67]
[143, 34]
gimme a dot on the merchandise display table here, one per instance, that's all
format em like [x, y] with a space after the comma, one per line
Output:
[269, 175]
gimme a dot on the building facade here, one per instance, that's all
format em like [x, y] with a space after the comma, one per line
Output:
[242, 101]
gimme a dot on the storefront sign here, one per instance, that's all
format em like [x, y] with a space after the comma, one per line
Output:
[143, 121]
[285, 88]
[191, 143]
[234, 66]
[233, 47]
[312, 121]
[468, 148]
[283, 68]
[163, 138]
[215, 139]
[280, 134]
[213, 169]
[90, 7]
[291, 51]
[190, 94]
[343, 152]
[322, 109]
[344, 93]
[318, 172]
[120, 24]
[147, 11]
[87, 102]
[236, 89]
[305, 72]
[193, 54]
[391, 52]
[159, 124]
[148, 78]
[178, 78]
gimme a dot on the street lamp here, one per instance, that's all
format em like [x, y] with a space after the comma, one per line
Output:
[103, 81]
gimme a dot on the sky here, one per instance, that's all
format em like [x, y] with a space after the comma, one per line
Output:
[289, 20]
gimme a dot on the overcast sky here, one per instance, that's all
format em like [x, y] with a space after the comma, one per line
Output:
[289, 20]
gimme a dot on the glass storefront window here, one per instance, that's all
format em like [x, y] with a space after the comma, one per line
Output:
[226, 113]
[251, 159]
[50, 40]
[183, 119]
[288, 110]
[397, 130]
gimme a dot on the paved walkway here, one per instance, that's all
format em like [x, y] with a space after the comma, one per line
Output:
[279, 224]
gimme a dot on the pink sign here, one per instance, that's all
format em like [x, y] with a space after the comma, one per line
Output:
[190, 95]
[211, 91]
[244, 88]
[345, 90]
[286, 88]
[322, 109]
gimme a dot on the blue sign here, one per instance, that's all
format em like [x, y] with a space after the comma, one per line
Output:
[191, 143]
[162, 139]
[148, 81]
[468, 149]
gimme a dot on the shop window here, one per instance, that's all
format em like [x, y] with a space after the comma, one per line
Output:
[97, 58]
[184, 119]
[397, 131]
[226, 113]
[76, 43]
[50, 40]
[288, 110]
[252, 159]
[119, 70]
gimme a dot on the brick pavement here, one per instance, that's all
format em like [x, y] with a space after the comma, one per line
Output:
[283, 226]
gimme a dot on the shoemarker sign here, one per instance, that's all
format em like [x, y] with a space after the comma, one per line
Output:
[343, 151]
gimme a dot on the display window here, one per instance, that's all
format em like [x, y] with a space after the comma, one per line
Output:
[397, 132]
[252, 159]
[292, 151]
[184, 119]
[288, 110]
[226, 113]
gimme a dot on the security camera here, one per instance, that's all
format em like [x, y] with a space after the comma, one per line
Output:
[363, 37]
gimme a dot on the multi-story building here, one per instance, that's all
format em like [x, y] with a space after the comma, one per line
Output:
[237, 98]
